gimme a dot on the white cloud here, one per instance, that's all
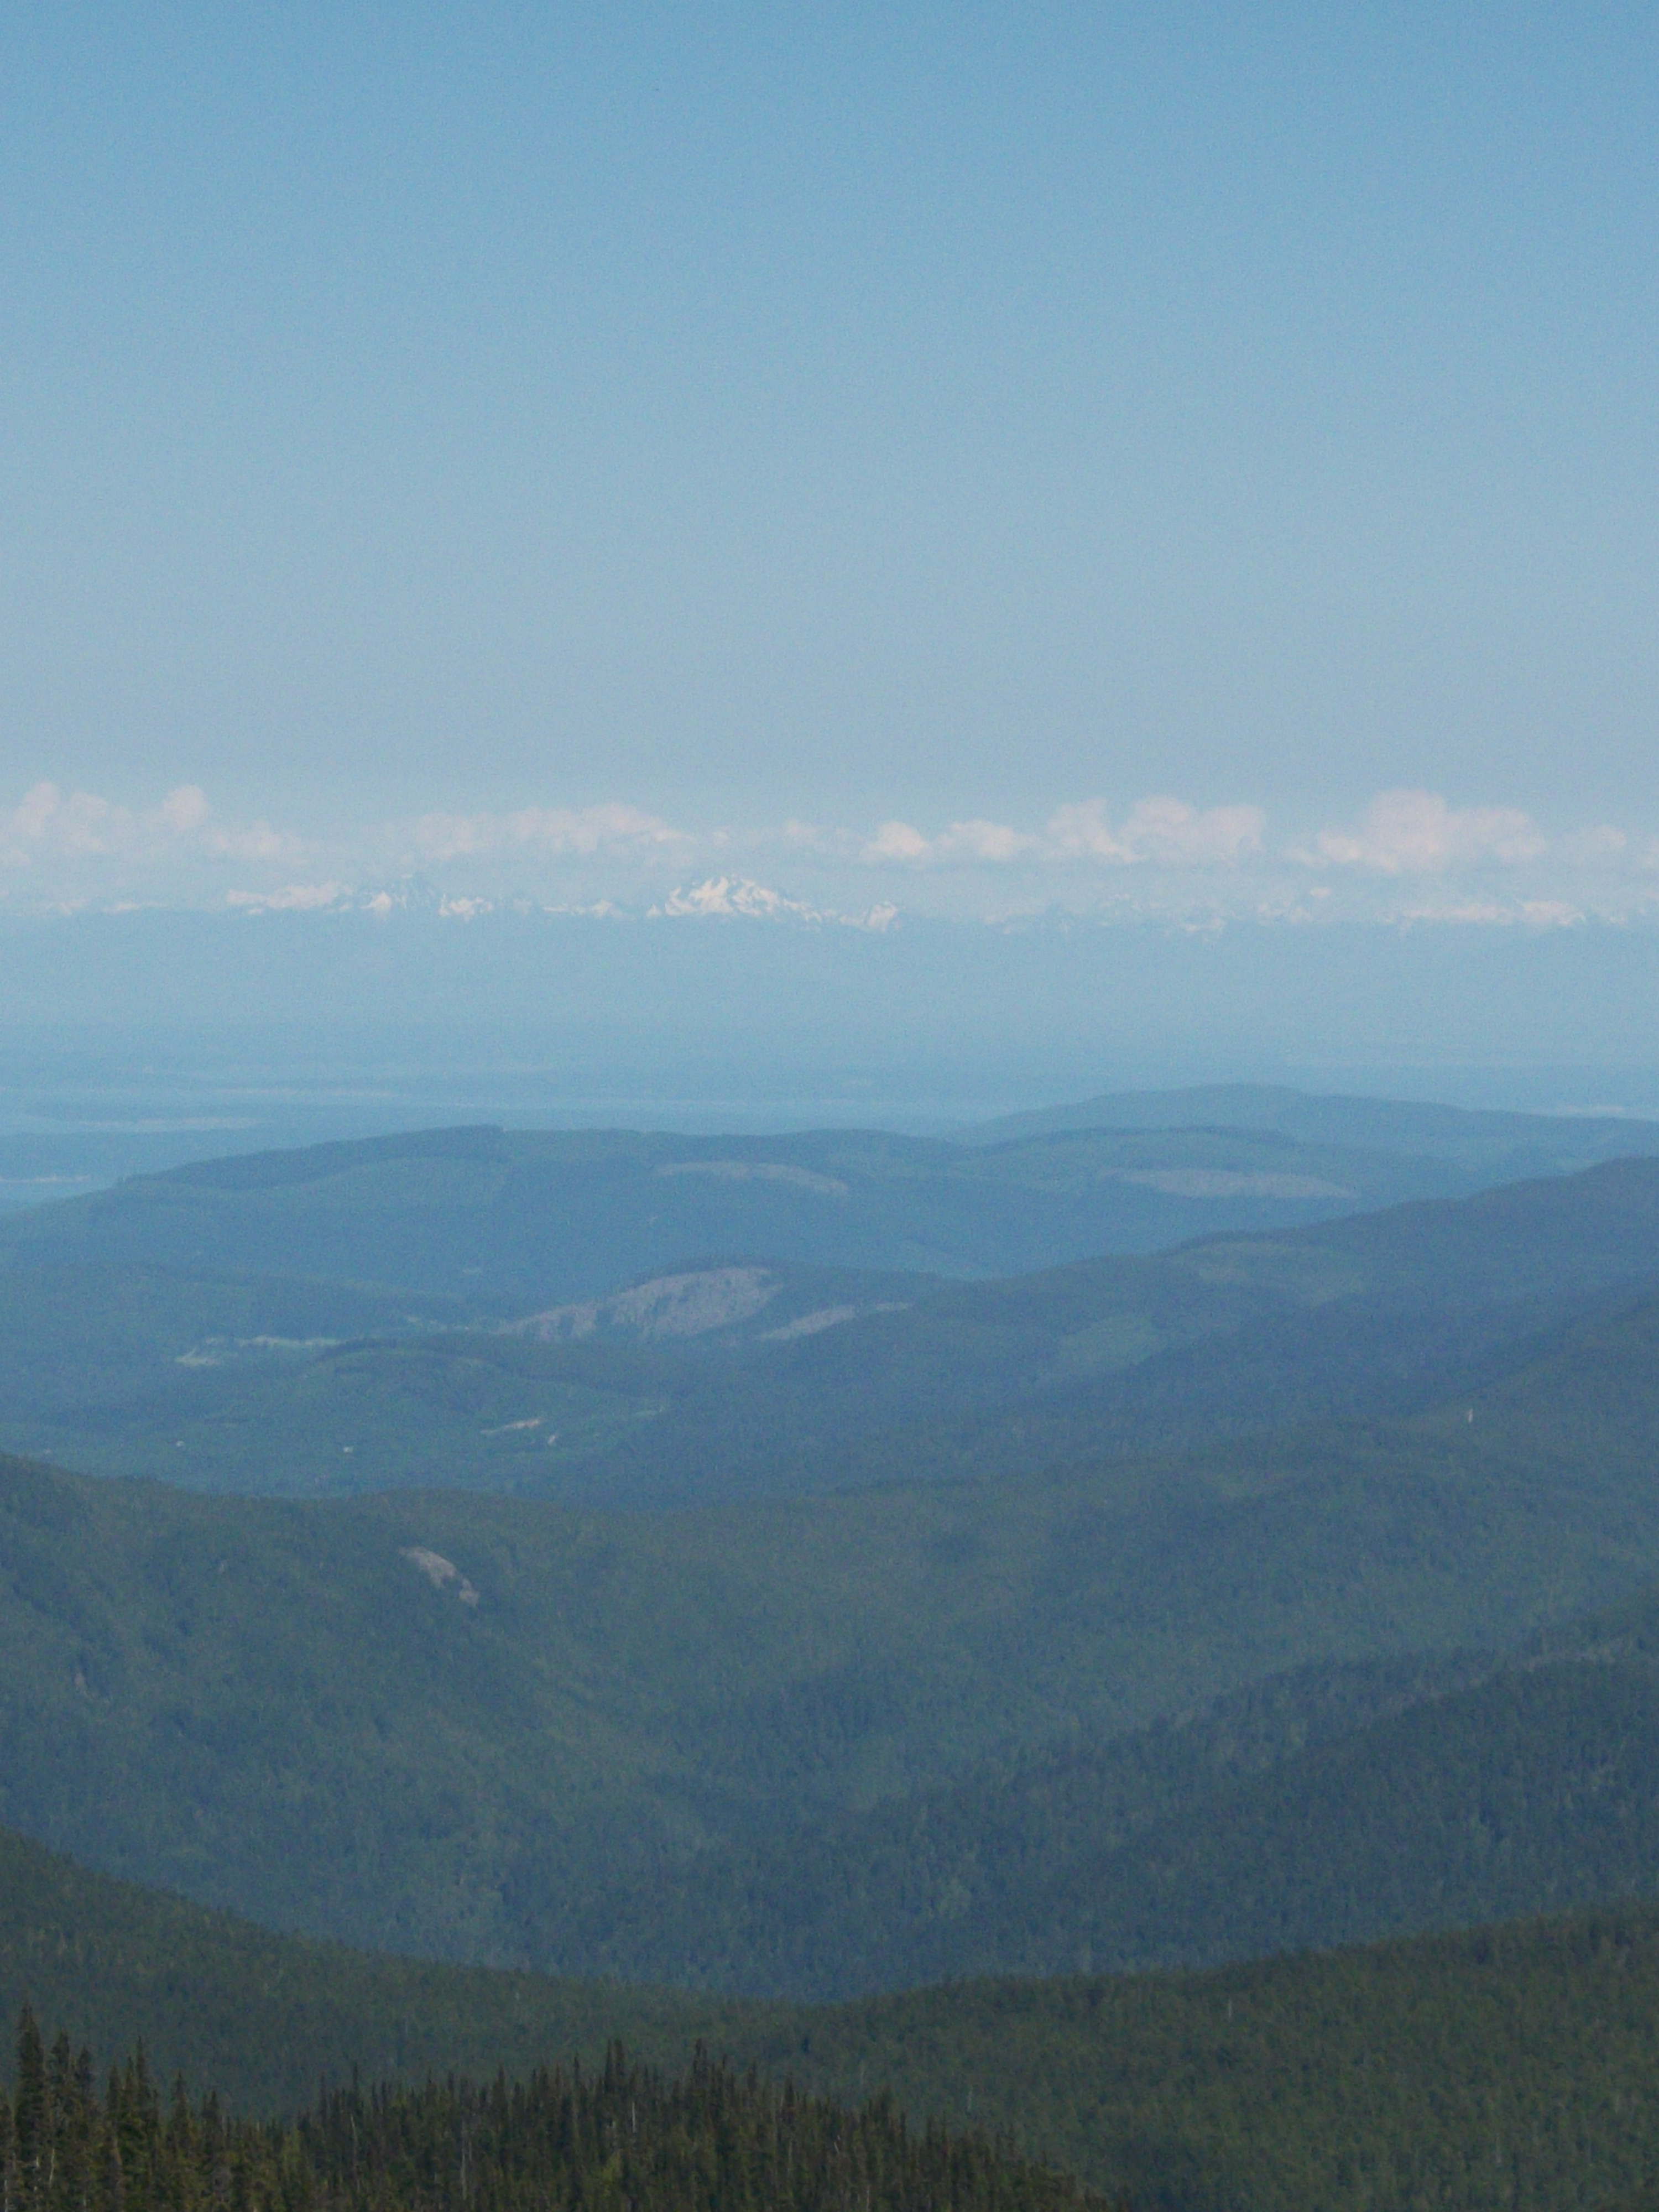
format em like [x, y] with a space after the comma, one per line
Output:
[985, 841]
[897, 840]
[294, 898]
[1083, 832]
[557, 832]
[249, 841]
[1416, 833]
[1600, 847]
[186, 809]
[1159, 829]
[976, 841]
[46, 827]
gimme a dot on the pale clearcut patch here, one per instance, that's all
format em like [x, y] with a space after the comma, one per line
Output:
[669, 1305]
[213, 1352]
[759, 1171]
[809, 1324]
[440, 1573]
[1228, 1183]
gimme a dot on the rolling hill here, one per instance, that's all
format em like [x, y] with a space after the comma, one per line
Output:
[509, 1220]
[1496, 1146]
[751, 1379]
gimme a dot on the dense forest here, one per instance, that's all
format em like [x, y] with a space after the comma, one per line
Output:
[474, 1701]
[560, 2140]
[1280, 1820]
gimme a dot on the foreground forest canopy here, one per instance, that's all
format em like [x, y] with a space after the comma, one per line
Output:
[622, 2137]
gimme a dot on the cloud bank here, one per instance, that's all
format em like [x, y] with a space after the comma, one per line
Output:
[1405, 833]
[1408, 858]
[51, 833]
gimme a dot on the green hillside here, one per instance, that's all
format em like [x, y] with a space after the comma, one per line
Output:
[978, 1384]
[981, 1381]
[1373, 1318]
[1535, 1790]
[1505, 2066]
[415, 1718]
[1555, 1233]
[995, 1872]
[1514, 2065]
[126, 1378]
[407, 1719]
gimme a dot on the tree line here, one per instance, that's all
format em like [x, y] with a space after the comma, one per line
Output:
[618, 2137]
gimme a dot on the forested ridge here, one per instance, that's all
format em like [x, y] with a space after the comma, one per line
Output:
[472, 1701]
[1503, 1146]
[1331, 1806]
[1480, 2069]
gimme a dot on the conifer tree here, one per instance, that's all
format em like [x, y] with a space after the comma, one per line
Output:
[29, 2112]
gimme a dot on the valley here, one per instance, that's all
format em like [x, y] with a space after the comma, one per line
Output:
[661, 1654]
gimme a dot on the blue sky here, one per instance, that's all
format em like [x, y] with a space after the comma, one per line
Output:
[971, 458]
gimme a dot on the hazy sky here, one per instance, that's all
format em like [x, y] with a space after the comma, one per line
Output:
[578, 443]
